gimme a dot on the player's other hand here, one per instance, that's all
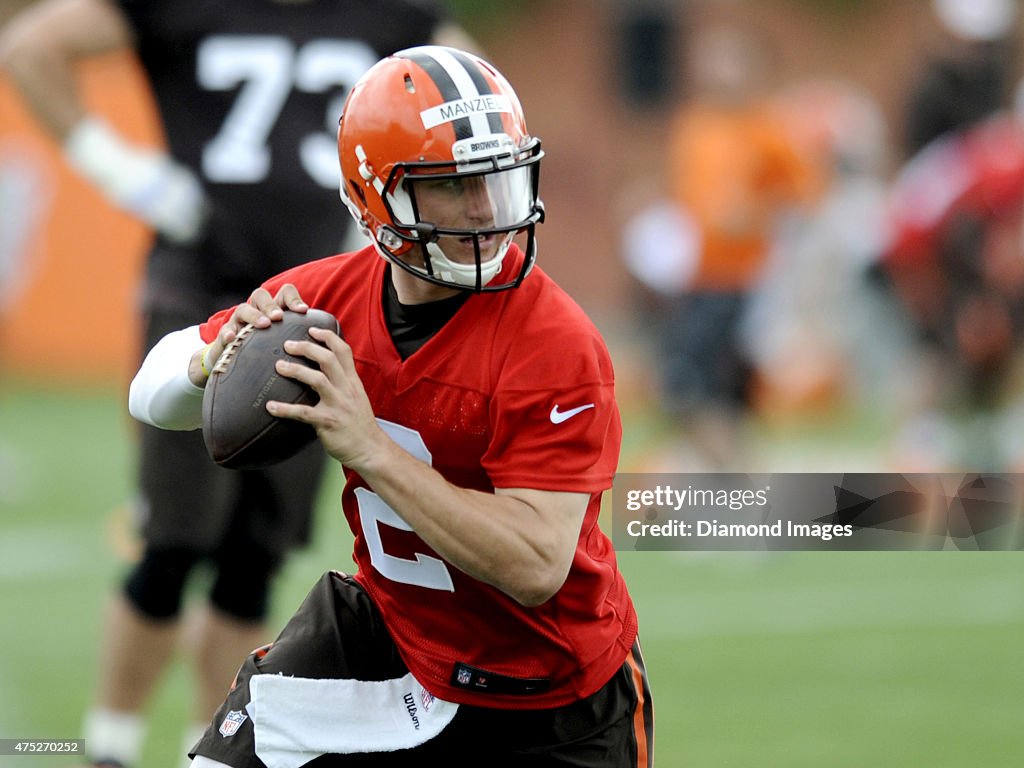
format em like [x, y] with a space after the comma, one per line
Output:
[165, 195]
[260, 310]
[143, 181]
[343, 416]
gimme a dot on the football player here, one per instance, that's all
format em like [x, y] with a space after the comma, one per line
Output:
[954, 267]
[470, 403]
[248, 93]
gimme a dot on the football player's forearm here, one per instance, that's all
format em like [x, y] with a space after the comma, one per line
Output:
[46, 84]
[162, 394]
[39, 48]
[518, 541]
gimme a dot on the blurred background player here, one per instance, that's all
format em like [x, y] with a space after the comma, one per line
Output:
[733, 177]
[968, 73]
[955, 265]
[953, 261]
[815, 305]
[248, 93]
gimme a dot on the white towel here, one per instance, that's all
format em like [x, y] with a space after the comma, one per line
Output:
[296, 719]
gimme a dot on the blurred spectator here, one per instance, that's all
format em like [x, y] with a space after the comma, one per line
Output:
[732, 176]
[955, 217]
[816, 331]
[249, 93]
[969, 73]
[956, 264]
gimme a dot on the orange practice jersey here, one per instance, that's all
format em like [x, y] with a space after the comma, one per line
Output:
[735, 170]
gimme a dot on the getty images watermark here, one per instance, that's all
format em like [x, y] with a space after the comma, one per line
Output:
[818, 511]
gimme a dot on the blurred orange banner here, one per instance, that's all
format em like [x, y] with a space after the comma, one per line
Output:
[69, 263]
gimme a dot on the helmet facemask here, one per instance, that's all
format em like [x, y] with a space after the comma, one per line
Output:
[451, 223]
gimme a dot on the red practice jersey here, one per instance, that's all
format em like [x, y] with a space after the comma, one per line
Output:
[976, 173]
[515, 391]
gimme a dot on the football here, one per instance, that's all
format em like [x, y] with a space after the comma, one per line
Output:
[238, 431]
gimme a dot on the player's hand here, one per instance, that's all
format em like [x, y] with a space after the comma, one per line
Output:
[260, 310]
[143, 181]
[343, 418]
[164, 194]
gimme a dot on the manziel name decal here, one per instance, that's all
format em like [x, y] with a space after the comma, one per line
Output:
[454, 110]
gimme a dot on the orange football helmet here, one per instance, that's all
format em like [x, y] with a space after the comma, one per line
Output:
[438, 169]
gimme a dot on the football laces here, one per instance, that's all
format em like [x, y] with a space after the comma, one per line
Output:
[221, 366]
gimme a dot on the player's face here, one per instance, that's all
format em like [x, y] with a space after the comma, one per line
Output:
[459, 203]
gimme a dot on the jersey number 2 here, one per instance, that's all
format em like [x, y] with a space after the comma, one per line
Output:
[267, 68]
[425, 571]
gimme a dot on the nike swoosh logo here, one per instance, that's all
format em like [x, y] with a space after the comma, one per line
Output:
[557, 416]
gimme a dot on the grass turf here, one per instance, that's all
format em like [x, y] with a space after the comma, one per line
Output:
[789, 659]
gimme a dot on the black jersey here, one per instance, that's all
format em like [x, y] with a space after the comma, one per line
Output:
[249, 93]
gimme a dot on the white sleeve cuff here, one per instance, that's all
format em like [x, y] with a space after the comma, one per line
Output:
[98, 152]
[142, 180]
[161, 394]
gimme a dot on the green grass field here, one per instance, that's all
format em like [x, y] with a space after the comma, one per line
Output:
[792, 659]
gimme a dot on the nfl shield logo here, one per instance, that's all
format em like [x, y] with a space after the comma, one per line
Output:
[232, 722]
[464, 676]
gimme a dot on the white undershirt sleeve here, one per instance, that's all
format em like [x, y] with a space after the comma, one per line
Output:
[161, 394]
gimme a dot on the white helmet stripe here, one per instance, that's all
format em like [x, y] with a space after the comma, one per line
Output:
[461, 91]
[467, 88]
